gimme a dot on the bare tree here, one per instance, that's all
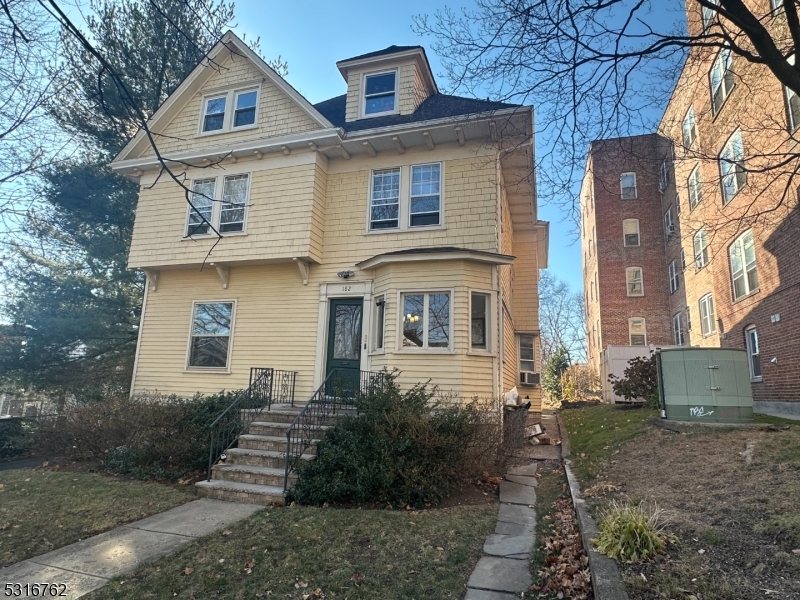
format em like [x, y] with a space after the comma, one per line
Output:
[562, 320]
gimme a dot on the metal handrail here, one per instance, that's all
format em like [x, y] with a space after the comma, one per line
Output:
[267, 386]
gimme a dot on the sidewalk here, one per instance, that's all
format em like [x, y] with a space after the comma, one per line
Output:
[91, 563]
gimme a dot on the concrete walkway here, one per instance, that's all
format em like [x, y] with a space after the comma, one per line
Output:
[89, 564]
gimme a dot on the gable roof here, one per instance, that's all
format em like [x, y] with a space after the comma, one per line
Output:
[184, 92]
[437, 106]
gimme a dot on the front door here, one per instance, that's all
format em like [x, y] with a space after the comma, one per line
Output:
[344, 341]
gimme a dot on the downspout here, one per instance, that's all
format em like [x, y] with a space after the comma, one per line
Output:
[500, 319]
[139, 335]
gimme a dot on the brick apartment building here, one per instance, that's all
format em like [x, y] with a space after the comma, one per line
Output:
[718, 255]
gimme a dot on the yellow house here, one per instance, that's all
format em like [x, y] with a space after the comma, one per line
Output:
[390, 227]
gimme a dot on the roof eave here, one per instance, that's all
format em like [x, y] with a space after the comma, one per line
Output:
[469, 255]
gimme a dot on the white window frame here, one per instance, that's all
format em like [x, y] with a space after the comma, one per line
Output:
[631, 333]
[702, 256]
[624, 235]
[519, 353]
[628, 282]
[678, 336]
[722, 67]
[622, 189]
[230, 96]
[674, 282]
[695, 186]
[216, 206]
[733, 177]
[404, 199]
[753, 349]
[411, 194]
[668, 224]
[738, 246]
[708, 318]
[488, 325]
[689, 128]
[708, 15]
[363, 95]
[227, 367]
[399, 327]
[372, 174]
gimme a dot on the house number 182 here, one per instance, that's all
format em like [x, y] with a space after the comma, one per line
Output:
[346, 288]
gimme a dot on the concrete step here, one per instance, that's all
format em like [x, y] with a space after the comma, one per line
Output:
[249, 474]
[273, 442]
[267, 428]
[259, 458]
[248, 493]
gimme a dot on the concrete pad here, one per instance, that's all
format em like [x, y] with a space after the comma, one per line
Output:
[525, 470]
[473, 594]
[508, 545]
[501, 575]
[114, 552]
[515, 493]
[522, 480]
[78, 584]
[514, 529]
[516, 513]
[197, 518]
[542, 452]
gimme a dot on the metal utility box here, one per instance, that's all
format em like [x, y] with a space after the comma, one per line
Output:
[705, 384]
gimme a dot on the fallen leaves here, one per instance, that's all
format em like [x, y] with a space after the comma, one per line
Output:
[188, 570]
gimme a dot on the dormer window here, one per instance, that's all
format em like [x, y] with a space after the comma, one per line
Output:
[217, 116]
[380, 93]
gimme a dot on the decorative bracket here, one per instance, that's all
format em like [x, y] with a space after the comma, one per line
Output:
[303, 266]
[370, 149]
[428, 140]
[460, 134]
[224, 274]
[152, 278]
[398, 144]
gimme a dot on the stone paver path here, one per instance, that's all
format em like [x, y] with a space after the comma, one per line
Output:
[89, 564]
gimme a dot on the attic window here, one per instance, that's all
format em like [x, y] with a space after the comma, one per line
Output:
[380, 93]
[229, 111]
[245, 113]
[214, 118]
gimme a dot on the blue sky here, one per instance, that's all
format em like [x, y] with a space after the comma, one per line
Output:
[312, 36]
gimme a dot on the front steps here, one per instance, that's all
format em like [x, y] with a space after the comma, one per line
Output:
[253, 472]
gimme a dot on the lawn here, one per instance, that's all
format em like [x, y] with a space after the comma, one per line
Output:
[314, 553]
[736, 517]
[44, 510]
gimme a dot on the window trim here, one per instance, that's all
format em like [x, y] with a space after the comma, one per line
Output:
[404, 200]
[227, 368]
[399, 318]
[489, 350]
[692, 131]
[638, 234]
[635, 186]
[363, 114]
[518, 335]
[216, 207]
[703, 251]
[370, 189]
[739, 242]
[411, 196]
[627, 285]
[711, 316]
[678, 336]
[230, 95]
[749, 347]
[376, 329]
[735, 172]
[630, 332]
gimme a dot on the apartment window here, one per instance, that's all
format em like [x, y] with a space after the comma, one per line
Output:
[479, 321]
[227, 216]
[634, 280]
[425, 188]
[385, 199]
[526, 362]
[775, 4]
[683, 260]
[637, 332]
[245, 112]
[678, 205]
[743, 265]
[426, 320]
[793, 108]
[669, 228]
[694, 187]
[627, 184]
[753, 355]
[630, 232]
[210, 340]
[663, 180]
[380, 319]
[673, 277]
[708, 320]
[708, 15]
[688, 319]
[722, 79]
[731, 167]
[700, 243]
[689, 128]
[379, 93]
[677, 330]
[216, 116]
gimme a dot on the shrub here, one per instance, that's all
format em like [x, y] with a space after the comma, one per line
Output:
[157, 436]
[16, 437]
[578, 382]
[640, 381]
[403, 448]
[553, 369]
[632, 533]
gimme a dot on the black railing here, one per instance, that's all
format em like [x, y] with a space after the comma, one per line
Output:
[267, 387]
[341, 389]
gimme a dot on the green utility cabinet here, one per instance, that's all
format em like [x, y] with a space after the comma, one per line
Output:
[705, 384]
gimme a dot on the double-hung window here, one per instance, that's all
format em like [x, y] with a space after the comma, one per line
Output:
[689, 128]
[426, 320]
[380, 93]
[743, 265]
[694, 186]
[700, 243]
[526, 356]
[708, 15]
[753, 354]
[634, 281]
[425, 195]
[385, 199]
[406, 197]
[245, 112]
[630, 232]
[637, 331]
[210, 339]
[669, 228]
[226, 216]
[722, 79]
[731, 167]
[627, 185]
[479, 321]
[677, 330]
[218, 117]
[708, 320]
[214, 114]
[673, 277]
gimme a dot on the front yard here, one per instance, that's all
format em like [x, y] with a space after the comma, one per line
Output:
[737, 518]
[44, 510]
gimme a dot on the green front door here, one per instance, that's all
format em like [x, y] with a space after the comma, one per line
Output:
[344, 341]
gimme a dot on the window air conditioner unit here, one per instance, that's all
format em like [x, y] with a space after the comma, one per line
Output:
[528, 378]
[670, 229]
